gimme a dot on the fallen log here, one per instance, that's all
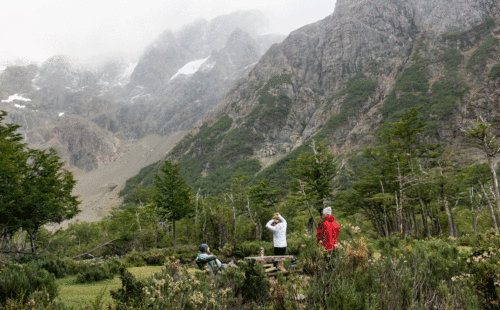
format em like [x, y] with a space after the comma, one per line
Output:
[109, 243]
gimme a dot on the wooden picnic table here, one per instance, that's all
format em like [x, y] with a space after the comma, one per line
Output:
[272, 259]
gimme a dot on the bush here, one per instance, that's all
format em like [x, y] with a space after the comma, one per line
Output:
[256, 284]
[18, 282]
[94, 274]
[252, 248]
[155, 257]
[132, 291]
[57, 267]
[114, 265]
[135, 259]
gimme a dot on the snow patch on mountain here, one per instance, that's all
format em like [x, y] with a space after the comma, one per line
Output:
[190, 68]
[19, 106]
[61, 114]
[16, 97]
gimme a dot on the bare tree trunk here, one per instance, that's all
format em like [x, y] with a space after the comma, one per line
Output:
[495, 183]
[415, 223]
[234, 216]
[492, 212]
[252, 219]
[455, 230]
[138, 221]
[424, 217]
[311, 219]
[450, 221]
[32, 237]
[400, 181]
[474, 224]
[399, 216]
[385, 213]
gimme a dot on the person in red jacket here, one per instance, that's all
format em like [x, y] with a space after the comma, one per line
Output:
[328, 230]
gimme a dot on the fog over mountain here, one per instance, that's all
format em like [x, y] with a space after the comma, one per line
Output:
[95, 115]
[91, 31]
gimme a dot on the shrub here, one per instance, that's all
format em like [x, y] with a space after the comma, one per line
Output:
[256, 284]
[132, 291]
[155, 257]
[483, 52]
[114, 265]
[94, 274]
[57, 267]
[18, 282]
[135, 259]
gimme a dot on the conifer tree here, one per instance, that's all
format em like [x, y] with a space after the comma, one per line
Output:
[173, 196]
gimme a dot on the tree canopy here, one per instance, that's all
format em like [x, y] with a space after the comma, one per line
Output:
[34, 189]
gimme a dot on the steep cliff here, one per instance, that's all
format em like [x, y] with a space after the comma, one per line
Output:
[340, 78]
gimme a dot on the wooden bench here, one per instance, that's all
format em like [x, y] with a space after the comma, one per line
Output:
[273, 259]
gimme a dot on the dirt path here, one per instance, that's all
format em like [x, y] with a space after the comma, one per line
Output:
[98, 189]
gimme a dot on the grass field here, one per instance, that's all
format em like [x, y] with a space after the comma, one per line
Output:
[77, 295]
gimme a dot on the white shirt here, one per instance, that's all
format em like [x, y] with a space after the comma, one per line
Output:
[279, 232]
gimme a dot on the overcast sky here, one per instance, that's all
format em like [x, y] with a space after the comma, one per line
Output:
[38, 29]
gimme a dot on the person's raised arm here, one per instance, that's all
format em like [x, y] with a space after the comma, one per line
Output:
[282, 219]
[270, 227]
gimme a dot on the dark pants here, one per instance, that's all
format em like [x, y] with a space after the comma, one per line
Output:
[279, 251]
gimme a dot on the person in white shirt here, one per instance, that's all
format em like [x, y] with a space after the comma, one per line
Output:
[278, 227]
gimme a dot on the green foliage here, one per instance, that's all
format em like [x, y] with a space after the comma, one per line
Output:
[132, 291]
[409, 86]
[34, 189]
[315, 174]
[495, 72]
[467, 37]
[219, 181]
[155, 257]
[412, 85]
[251, 248]
[173, 196]
[135, 259]
[271, 112]
[94, 274]
[358, 90]
[205, 139]
[482, 53]
[20, 282]
[485, 270]
[276, 173]
[57, 267]
[144, 178]
[256, 284]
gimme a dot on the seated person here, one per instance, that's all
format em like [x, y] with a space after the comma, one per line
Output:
[205, 253]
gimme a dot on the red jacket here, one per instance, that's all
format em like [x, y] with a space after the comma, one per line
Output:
[328, 231]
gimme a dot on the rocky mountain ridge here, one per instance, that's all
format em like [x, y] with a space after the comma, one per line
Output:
[96, 116]
[340, 78]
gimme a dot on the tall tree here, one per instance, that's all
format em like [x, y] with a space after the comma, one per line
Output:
[315, 173]
[47, 189]
[34, 189]
[389, 175]
[481, 136]
[173, 196]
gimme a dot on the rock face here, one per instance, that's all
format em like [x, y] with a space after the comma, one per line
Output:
[88, 113]
[343, 76]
